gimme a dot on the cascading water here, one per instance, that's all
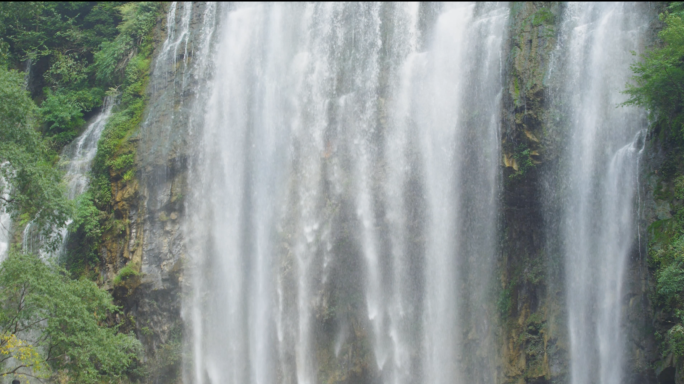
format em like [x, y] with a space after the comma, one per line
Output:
[5, 227]
[599, 170]
[77, 159]
[78, 156]
[446, 124]
[174, 79]
[345, 189]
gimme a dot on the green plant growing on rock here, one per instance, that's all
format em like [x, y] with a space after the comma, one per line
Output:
[128, 271]
[523, 157]
[504, 303]
[85, 234]
[675, 339]
[666, 260]
[543, 16]
[124, 60]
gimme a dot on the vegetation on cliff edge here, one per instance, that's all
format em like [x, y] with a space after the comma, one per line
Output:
[658, 86]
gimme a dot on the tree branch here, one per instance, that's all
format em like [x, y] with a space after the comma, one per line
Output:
[10, 201]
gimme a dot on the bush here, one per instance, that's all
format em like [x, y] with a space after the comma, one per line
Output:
[63, 325]
[125, 273]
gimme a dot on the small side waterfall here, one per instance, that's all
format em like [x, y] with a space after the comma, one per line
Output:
[76, 160]
[77, 157]
[5, 228]
[599, 179]
[343, 196]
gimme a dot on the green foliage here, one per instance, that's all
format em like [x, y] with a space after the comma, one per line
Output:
[666, 259]
[61, 111]
[679, 188]
[33, 186]
[109, 60]
[100, 189]
[658, 81]
[122, 162]
[138, 20]
[675, 339]
[523, 157]
[125, 273]
[67, 70]
[77, 50]
[657, 86]
[115, 152]
[126, 59]
[61, 40]
[85, 237]
[670, 282]
[676, 8]
[88, 217]
[505, 302]
[67, 321]
[42, 29]
[169, 356]
[543, 16]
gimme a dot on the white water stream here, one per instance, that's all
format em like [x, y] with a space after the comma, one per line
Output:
[77, 157]
[5, 228]
[346, 184]
[598, 223]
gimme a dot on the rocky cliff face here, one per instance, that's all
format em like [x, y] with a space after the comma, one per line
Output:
[531, 334]
[534, 348]
[152, 205]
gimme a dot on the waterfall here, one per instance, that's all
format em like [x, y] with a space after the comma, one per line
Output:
[599, 173]
[5, 225]
[77, 157]
[344, 194]
[76, 160]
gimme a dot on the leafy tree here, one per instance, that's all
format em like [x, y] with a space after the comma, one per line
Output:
[32, 188]
[137, 21]
[51, 323]
[658, 81]
[60, 40]
[41, 29]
